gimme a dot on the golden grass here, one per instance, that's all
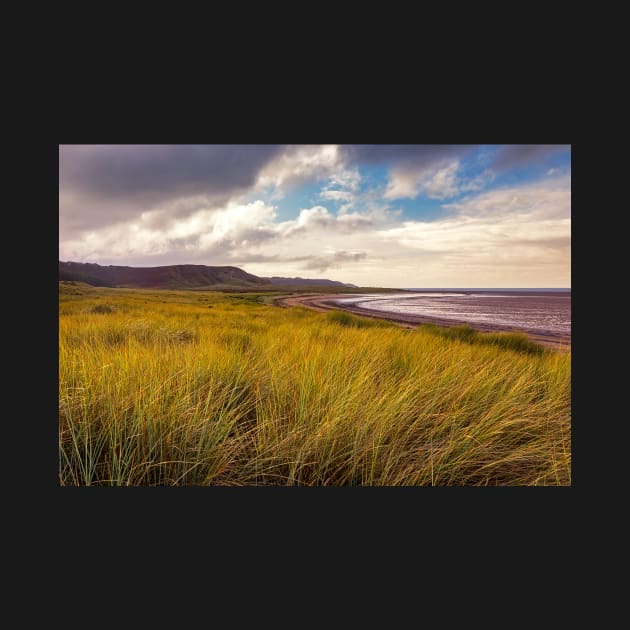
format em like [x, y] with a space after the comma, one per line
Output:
[189, 388]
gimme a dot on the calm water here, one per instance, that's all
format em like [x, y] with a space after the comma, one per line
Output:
[543, 311]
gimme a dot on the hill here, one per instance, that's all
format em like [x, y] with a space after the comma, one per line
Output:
[168, 277]
[182, 277]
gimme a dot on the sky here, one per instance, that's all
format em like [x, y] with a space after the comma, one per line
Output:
[430, 216]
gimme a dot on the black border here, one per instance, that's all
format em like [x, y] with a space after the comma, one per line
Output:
[401, 523]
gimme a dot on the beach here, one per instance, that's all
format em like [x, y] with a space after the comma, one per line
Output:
[326, 302]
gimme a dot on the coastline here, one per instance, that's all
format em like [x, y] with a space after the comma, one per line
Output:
[323, 302]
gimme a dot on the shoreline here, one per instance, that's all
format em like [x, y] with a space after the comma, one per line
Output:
[323, 302]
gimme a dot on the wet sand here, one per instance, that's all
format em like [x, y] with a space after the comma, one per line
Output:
[326, 302]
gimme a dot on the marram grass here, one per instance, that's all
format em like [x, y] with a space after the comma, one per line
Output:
[186, 388]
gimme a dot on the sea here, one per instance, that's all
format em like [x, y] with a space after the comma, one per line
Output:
[535, 310]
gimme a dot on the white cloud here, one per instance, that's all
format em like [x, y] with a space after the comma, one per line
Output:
[444, 183]
[402, 185]
[437, 181]
[337, 195]
[234, 225]
[321, 219]
[347, 178]
[342, 186]
[233, 231]
[297, 164]
[308, 219]
[238, 223]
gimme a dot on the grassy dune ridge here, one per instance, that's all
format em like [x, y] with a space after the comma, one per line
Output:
[193, 388]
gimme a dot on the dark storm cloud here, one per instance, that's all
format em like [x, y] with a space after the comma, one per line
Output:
[101, 185]
[161, 171]
[404, 155]
[407, 157]
[513, 155]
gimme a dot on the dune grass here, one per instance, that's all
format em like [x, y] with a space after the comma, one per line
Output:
[188, 388]
[342, 318]
[518, 342]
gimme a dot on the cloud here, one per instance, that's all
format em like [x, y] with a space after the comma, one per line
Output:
[236, 230]
[411, 156]
[105, 185]
[342, 186]
[334, 259]
[337, 195]
[440, 180]
[207, 231]
[320, 218]
[348, 179]
[308, 219]
[101, 185]
[413, 169]
[514, 155]
[298, 164]
[548, 198]
[165, 171]
[353, 221]
[522, 230]
[444, 183]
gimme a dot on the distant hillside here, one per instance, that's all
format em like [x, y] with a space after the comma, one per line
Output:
[169, 277]
[308, 281]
